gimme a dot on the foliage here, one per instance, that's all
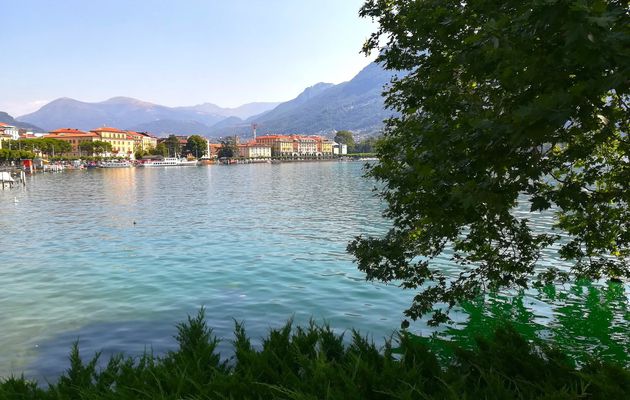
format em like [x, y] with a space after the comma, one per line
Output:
[173, 146]
[509, 101]
[96, 147]
[315, 363]
[15, 155]
[228, 148]
[161, 149]
[47, 146]
[196, 145]
[138, 154]
[367, 145]
[344, 137]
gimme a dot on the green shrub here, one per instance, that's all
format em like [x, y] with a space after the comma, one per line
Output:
[315, 363]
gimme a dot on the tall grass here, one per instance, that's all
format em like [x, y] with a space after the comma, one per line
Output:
[313, 362]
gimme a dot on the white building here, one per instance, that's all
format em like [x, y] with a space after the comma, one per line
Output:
[254, 150]
[9, 130]
[340, 149]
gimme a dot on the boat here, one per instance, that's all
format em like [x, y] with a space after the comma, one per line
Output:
[169, 162]
[115, 164]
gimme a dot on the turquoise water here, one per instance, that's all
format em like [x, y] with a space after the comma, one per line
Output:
[253, 243]
[115, 258]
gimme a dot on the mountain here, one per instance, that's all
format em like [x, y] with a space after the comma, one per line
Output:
[355, 105]
[129, 113]
[164, 127]
[7, 119]
[228, 122]
[242, 112]
[122, 112]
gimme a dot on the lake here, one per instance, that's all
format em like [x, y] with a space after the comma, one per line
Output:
[115, 258]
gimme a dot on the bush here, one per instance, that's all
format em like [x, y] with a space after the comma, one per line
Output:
[314, 363]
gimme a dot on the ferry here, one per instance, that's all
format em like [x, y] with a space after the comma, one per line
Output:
[115, 164]
[169, 162]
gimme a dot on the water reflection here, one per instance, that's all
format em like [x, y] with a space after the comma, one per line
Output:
[586, 319]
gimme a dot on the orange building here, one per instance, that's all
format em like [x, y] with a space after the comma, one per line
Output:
[73, 136]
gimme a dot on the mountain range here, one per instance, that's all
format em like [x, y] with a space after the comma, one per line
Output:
[354, 105]
[7, 119]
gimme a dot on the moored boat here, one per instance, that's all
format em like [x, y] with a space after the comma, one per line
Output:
[115, 164]
[169, 162]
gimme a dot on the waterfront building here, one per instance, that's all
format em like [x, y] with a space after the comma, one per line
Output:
[122, 144]
[324, 146]
[340, 149]
[137, 140]
[214, 149]
[254, 150]
[281, 145]
[8, 132]
[148, 141]
[304, 146]
[142, 140]
[73, 136]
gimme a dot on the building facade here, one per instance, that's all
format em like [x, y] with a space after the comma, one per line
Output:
[123, 144]
[9, 130]
[75, 137]
[254, 150]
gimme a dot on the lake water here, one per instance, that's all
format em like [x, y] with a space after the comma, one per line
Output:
[256, 243]
[115, 258]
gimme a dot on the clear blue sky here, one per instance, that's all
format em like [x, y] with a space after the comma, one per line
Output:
[182, 52]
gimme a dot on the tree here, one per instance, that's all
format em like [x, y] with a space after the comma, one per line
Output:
[365, 146]
[501, 103]
[228, 148]
[97, 147]
[161, 149]
[15, 155]
[173, 146]
[87, 147]
[345, 137]
[53, 147]
[196, 145]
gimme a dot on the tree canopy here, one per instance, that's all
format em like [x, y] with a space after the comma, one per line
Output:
[345, 137]
[48, 146]
[161, 150]
[502, 104]
[95, 147]
[173, 146]
[228, 148]
[196, 145]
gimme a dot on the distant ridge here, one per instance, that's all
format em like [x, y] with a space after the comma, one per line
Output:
[7, 119]
[130, 113]
[355, 105]
[322, 108]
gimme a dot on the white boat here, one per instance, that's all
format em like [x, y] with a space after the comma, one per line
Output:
[169, 162]
[115, 164]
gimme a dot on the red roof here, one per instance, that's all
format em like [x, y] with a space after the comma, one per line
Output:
[107, 129]
[3, 124]
[70, 131]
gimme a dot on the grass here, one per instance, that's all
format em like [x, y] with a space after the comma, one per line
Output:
[315, 363]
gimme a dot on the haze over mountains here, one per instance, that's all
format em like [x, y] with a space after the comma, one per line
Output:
[7, 119]
[355, 105]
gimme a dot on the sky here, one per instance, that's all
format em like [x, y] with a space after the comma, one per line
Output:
[175, 53]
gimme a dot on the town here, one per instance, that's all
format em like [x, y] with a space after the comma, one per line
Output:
[96, 146]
